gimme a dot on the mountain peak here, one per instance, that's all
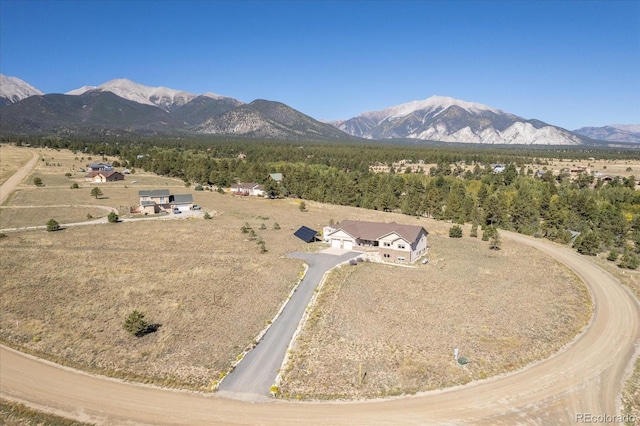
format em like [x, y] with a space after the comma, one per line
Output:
[429, 105]
[441, 118]
[12, 89]
[163, 97]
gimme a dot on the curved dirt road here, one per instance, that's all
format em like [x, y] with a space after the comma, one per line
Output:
[586, 377]
[11, 183]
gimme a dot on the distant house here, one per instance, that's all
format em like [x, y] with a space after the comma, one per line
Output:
[498, 168]
[159, 200]
[99, 167]
[248, 188]
[277, 177]
[105, 176]
[394, 242]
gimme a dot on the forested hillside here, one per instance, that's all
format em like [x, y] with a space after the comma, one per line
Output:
[459, 185]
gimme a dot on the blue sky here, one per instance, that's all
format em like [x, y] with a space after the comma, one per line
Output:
[569, 63]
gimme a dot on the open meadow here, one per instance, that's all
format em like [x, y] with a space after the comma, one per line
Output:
[380, 330]
[66, 294]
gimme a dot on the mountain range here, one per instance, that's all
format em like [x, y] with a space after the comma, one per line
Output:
[122, 106]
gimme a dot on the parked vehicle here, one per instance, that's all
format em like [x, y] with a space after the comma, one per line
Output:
[176, 210]
[196, 207]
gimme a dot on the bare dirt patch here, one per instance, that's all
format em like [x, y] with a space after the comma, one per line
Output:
[398, 327]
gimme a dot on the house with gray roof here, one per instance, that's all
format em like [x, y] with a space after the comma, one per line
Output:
[395, 242]
[161, 200]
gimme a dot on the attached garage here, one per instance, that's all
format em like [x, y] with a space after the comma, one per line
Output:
[348, 245]
[336, 243]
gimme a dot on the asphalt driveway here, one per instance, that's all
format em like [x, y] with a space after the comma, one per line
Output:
[256, 373]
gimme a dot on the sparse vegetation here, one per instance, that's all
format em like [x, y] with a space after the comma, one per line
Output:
[16, 414]
[136, 325]
[96, 192]
[53, 225]
[455, 232]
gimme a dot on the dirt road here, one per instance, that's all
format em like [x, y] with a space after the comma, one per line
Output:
[586, 377]
[11, 183]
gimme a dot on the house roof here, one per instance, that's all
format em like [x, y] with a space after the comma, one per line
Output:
[183, 199]
[306, 234]
[372, 231]
[154, 193]
[276, 176]
[247, 185]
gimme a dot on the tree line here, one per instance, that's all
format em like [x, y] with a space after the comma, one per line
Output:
[591, 214]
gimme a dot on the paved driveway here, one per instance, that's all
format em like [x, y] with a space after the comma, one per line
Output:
[256, 373]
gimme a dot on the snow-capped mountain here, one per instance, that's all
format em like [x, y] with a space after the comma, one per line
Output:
[626, 133]
[163, 97]
[440, 118]
[12, 90]
[124, 107]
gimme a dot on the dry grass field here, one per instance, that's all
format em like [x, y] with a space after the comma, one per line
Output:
[11, 159]
[400, 326]
[65, 294]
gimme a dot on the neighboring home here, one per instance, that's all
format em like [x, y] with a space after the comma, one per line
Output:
[498, 168]
[394, 242]
[248, 188]
[108, 176]
[157, 200]
[277, 177]
[99, 167]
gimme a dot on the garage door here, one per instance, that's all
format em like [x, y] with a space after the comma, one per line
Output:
[348, 245]
[335, 243]
[183, 208]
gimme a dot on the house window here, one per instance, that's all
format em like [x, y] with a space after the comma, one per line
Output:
[386, 255]
[387, 244]
[400, 257]
[401, 246]
[162, 200]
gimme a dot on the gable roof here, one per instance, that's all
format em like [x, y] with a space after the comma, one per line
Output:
[306, 234]
[247, 185]
[372, 231]
[183, 199]
[154, 193]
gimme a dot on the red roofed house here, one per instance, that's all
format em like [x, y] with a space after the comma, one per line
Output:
[395, 242]
[108, 176]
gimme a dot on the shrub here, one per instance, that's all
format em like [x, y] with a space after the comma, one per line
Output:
[74, 185]
[246, 228]
[96, 192]
[613, 255]
[198, 188]
[489, 232]
[474, 231]
[629, 261]
[135, 324]
[68, 175]
[303, 206]
[37, 181]
[53, 225]
[113, 217]
[206, 215]
[263, 226]
[276, 226]
[455, 232]
[495, 243]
